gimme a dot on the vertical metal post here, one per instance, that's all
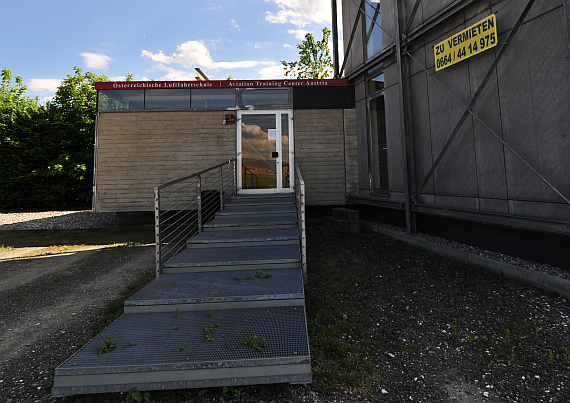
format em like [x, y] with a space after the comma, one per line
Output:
[199, 203]
[402, 120]
[303, 234]
[157, 229]
[335, 38]
[222, 187]
[235, 178]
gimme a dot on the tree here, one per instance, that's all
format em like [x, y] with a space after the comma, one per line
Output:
[71, 133]
[314, 58]
[46, 152]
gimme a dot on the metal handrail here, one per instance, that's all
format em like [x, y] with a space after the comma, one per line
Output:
[184, 205]
[300, 203]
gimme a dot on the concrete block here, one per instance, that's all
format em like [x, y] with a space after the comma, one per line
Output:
[346, 214]
[352, 227]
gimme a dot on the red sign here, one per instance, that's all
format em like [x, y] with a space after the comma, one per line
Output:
[142, 85]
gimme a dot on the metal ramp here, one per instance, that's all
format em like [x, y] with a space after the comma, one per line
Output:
[228, 310]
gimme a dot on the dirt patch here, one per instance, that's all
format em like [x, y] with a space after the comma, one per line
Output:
[49, 304]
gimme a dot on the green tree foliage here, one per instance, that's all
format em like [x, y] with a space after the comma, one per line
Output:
[314, 58]
[46, 151]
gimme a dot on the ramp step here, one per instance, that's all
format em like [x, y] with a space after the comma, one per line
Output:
[256, 210]
[190, 291]
[236, 256]
[166, 350]
[245, 235]
[253, 221]
[241, 276]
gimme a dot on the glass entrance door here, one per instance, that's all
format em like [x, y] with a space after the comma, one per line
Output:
[264, 151]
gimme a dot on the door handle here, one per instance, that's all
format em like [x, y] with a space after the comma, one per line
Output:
[274, 154]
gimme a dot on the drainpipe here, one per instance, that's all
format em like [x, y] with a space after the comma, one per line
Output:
[335, 38]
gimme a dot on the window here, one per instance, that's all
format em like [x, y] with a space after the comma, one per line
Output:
[255, 97]
[167, 99]
[214, 98]
[373, 33]
[378, 142]
[375, 79]
[124, 99]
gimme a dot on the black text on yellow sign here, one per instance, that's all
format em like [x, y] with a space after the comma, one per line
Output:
[475, 39]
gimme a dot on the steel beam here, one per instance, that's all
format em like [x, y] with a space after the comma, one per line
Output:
[335, 38]
[412, 16]
[352, 33]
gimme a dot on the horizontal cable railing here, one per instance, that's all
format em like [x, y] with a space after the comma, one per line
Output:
[300, 203]
[184, 205]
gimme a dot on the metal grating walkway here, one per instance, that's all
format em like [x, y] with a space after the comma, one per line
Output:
[189, 328]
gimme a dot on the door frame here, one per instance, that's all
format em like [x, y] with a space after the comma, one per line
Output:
[279, 148]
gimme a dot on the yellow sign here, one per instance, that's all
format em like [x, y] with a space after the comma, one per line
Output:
[475, 39]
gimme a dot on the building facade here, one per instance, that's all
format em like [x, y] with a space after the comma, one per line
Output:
[463, 125]
[149, 133]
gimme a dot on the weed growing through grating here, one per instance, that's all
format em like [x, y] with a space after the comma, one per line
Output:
[108, 344]
[209, 331]
[253, 342]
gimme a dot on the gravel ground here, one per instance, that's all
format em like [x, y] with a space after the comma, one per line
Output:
[435, 330]
[48, 220]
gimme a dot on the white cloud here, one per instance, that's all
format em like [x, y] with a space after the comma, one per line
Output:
[235, 25]
[287, 46]
[96, 61]
[299, 33]
[275, 70]
[300, 12]
[195, 53]
[43, 84]
[175, 75]
[260, 45]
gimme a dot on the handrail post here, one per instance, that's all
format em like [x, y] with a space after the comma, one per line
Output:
[199, 203]
[221, 188]
[303, 234]
[235, 178]
[300, 204]
[157, 229]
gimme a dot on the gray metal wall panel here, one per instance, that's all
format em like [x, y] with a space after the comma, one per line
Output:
[421, 129]
[433, 7]
[349, 13]
[491, 176]
[508, 16]
[535, 90]
[387, 14]
[394, 139]
[456, 174]
[552, 211]
[500, 206]
[467, 203]
[418, 19]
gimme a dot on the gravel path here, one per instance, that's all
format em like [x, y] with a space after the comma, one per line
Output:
[49, 220]
[435, 330]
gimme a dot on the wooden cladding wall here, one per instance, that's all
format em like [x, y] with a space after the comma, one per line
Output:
[351, 152]
[319, 149]
[140, 150]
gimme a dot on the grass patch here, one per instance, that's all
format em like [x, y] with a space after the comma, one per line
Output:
[338, 333]
[111, 236]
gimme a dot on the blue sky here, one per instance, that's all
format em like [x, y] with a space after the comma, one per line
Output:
[44, 39]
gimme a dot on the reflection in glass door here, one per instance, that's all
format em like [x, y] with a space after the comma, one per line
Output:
[264, 151]
[258, 144]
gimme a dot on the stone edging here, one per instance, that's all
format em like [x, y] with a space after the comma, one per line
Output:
[538, 279]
